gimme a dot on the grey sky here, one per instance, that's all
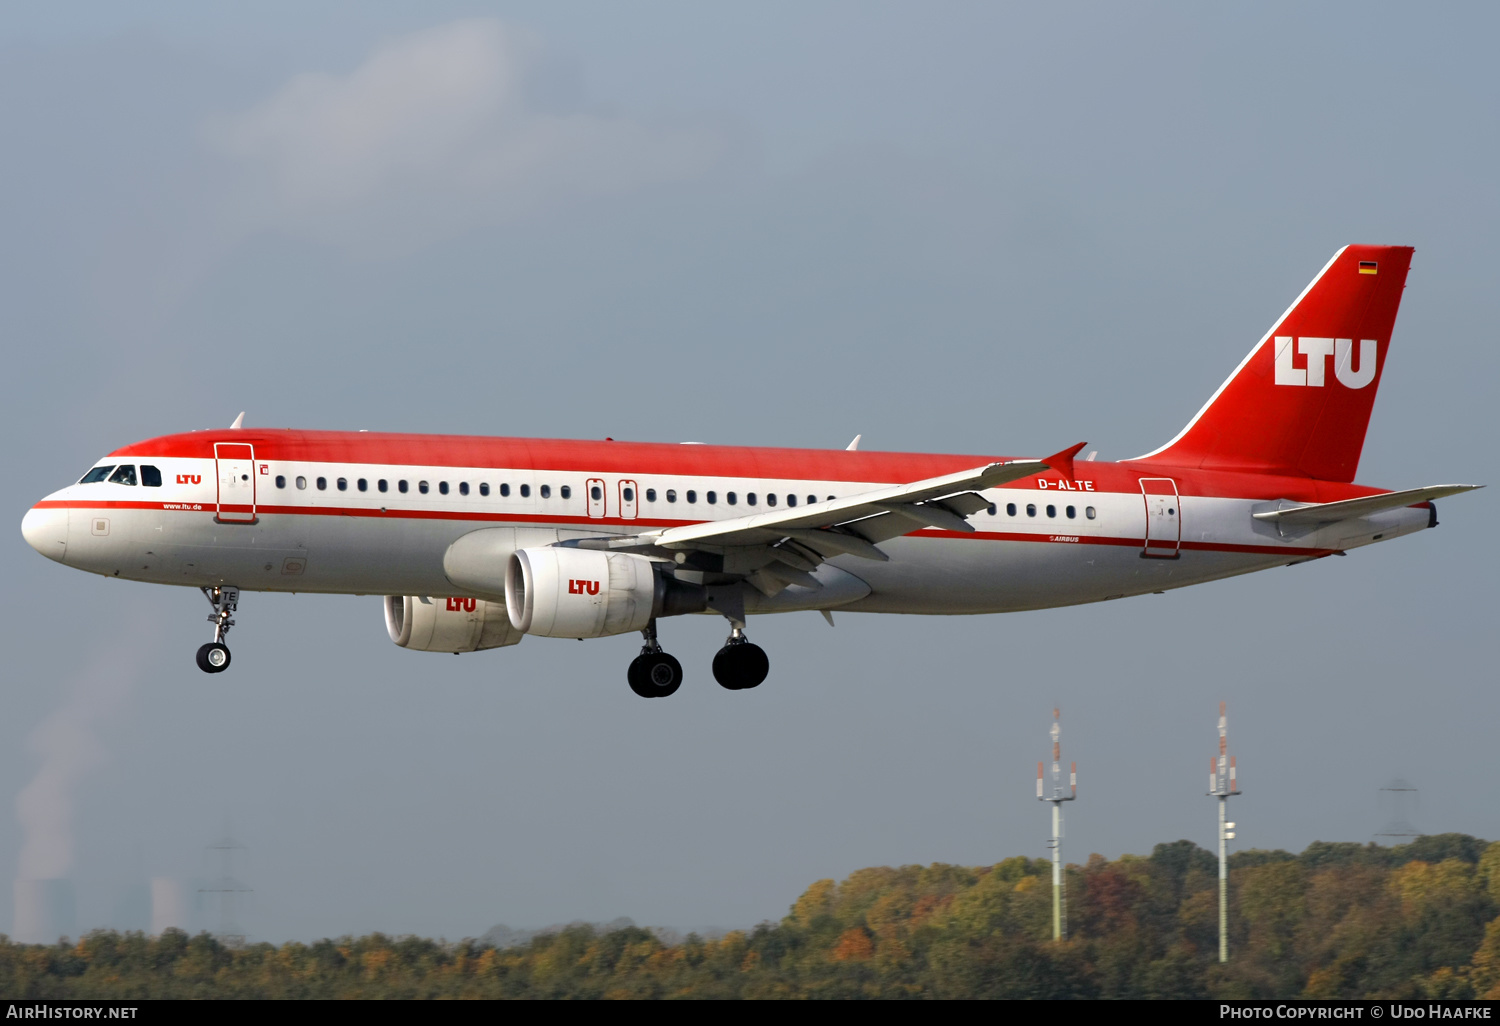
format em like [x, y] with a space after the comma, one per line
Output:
[958, 228]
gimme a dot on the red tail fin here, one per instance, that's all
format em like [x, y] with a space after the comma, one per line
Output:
[1300, 402]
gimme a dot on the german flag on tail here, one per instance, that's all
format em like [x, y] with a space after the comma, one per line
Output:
[1368, 267]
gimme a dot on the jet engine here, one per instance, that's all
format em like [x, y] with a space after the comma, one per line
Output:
[588, 593]
[437, 624]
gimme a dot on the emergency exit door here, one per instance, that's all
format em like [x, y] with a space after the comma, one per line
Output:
[236, 470]
[1163, 518]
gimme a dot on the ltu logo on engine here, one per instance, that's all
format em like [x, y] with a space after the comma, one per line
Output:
[1317, 351]
[583, 587]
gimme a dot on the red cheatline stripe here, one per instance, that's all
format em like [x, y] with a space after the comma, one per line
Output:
[543, 518]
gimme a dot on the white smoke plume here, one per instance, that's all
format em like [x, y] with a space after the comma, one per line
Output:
[69, 745]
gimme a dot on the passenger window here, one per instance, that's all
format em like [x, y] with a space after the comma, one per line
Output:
[1010, 509]
[442, 487]
[791, 500]
[1072, 512]
[151, 477]
[596, 493]
[650, 494]
[732, 499]
[364, 485]
[97, 474]
[811, 499]
[832, 497]
[712, 497]
[280, 481]
[125, 475]
[566, 491]
[692, 496]
[671, 495]
[750, 499]
[1030, 509]
[546, 491]
[504, 489]
[991, 510]
[628, 494]
[526, 491]
[322, 484]
[484, 488]
[422, 487]
[343, 484]
[1088, 511]
[301, 483]
[463, 488]
[1052, 511]
[770, 498]
[401, 487]
[383, 485]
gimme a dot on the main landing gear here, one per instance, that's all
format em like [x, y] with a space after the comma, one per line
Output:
[214, 656]
[740, 664]
[654, 673]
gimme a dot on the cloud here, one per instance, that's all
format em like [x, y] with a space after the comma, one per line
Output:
[432, 134]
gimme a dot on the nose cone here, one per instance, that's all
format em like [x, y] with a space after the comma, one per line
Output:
[46, 530]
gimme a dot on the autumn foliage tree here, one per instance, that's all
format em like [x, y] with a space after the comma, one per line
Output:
[1336, 921]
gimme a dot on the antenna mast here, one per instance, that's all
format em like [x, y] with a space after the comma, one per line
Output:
[1222, 784]
[1058, 796]
[231, 934]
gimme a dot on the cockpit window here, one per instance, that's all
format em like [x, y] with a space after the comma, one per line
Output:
[125, 475]
[150, 476]
[97, 474]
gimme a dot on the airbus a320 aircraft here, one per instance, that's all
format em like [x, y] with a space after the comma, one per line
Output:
[478, 542]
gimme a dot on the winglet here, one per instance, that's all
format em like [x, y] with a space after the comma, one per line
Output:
[1062, 462]
[239, 422]
[852, 446]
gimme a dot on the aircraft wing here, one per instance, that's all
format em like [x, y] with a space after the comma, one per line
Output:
[1348, 509]
[790, 543]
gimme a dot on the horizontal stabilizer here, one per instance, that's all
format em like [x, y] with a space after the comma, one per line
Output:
[1348, 509]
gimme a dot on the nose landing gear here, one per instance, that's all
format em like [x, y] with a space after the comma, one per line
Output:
[654, 673]
[214, 656]
[740, 664]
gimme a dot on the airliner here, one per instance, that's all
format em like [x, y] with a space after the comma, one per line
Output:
[477, 542]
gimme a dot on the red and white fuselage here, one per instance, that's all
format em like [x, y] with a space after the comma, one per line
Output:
[477, 541]
[245, 508]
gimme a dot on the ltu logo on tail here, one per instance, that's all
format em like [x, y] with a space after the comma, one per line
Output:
[1317, 351]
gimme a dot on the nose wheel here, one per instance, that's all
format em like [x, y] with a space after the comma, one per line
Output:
[740, 665]
[654, 673]
[214, 656]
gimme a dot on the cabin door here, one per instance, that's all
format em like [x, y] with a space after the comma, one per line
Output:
[236, 470]
[1163, 518]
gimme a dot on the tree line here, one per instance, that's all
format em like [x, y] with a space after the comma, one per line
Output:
[1336, 921]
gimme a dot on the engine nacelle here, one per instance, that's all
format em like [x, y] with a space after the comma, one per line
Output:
[589, 593]
[441, 624]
